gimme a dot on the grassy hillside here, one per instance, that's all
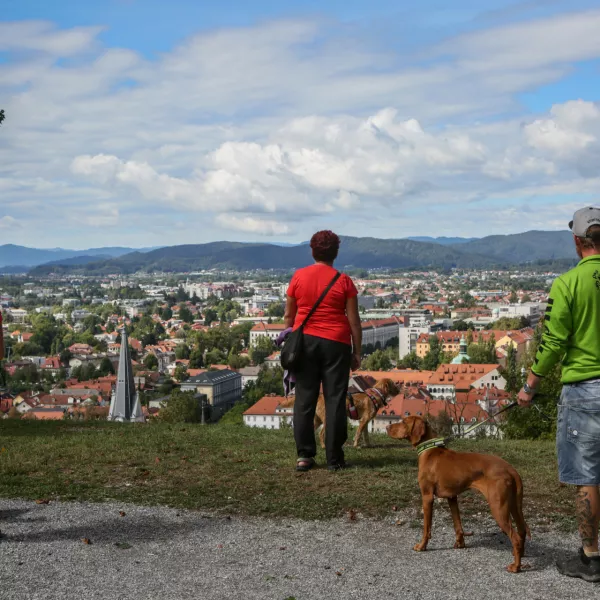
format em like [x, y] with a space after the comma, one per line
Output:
[237, 470]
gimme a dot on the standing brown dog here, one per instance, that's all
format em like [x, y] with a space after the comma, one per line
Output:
[446, 474]
[365, 406]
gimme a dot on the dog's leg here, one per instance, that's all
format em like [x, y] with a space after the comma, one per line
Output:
[366, 436]
[500, 503]
[460, 534]
[359, 433]
[427, 518]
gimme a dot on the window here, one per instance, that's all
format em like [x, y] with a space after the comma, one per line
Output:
[406, 413]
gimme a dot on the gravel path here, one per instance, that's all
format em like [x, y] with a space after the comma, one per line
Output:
[168, 554]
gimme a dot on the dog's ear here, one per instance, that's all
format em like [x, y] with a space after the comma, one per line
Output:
[417, 430]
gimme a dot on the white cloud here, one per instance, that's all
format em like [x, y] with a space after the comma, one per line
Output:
[288, 120]
[257, 226]
[8, 222]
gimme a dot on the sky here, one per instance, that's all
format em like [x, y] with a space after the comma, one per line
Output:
[145, 123]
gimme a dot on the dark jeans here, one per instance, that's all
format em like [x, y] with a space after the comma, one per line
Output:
[324, 363]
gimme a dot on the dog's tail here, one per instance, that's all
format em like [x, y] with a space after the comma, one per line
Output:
[517, 509]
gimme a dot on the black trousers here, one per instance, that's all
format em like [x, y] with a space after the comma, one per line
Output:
[325, 363]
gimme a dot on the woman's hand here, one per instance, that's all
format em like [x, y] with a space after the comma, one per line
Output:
[355, 362]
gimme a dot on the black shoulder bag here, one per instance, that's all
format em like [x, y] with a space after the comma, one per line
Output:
[293, 347]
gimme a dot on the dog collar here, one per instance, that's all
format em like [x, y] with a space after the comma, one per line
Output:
[430, 445]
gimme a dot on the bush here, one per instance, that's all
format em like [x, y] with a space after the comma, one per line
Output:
[182, 407]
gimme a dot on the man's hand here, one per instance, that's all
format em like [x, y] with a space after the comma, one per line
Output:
[525, 399]
[355, 362]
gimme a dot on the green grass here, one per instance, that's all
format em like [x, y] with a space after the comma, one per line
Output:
[238, 470]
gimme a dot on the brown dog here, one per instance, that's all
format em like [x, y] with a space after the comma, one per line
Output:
[365, 407]
[446, 474]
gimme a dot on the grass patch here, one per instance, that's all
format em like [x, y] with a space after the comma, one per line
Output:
[238, 470]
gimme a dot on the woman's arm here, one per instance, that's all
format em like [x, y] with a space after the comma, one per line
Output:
[291, 308]
[355, 328]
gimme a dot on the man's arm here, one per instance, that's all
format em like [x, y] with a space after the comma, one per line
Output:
[558, 327]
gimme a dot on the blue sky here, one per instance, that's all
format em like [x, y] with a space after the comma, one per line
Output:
[151, 123]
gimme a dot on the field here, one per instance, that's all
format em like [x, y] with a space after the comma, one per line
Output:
[235, 470]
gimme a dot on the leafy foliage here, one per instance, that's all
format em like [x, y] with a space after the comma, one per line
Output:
[263, 348]
[378, 361]
[182, 407]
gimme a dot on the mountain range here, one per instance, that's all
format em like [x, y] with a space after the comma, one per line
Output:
[492, 251]
[21, 256]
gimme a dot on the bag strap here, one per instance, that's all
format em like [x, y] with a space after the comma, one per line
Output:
[321, 298]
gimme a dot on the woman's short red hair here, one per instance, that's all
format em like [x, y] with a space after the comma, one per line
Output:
[325, 246]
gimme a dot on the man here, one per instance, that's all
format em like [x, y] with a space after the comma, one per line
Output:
[572, 333]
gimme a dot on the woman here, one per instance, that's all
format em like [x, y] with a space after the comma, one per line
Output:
[329, 338]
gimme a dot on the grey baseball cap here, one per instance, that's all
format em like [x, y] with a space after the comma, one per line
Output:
[583, 219]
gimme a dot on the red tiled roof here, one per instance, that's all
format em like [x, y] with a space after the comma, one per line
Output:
[463, 374]
[268, 327]
[267, 405]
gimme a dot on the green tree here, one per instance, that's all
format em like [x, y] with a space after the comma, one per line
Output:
[276, 310]
[182, 407]
[263, 348]
[378, 361]
[215, 357]
[270, 380]
[235, 361]
[151, 362]
[167, 314]
[106, 367]
[182, 352]
[513, 298]
[411, 361]
[511, 371]
[181, 373]
[185, 314]
[210, 316]
[433, 359]
[196, 359]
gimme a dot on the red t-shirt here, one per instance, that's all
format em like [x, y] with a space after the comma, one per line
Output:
[330, 320]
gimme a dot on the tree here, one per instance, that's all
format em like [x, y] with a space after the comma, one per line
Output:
[167, 314]
[181, 373]
[151, 362]
[210, 316]
[65, 356]
[106, 367]
[185, 314]
[235, 361]
[2, 116]
[182, 407]
[441, 424]
[410, 361]
[182, 352]
[513, 298]
[511, 371]
[196, 359]
[277, 310]
[460, 325]
[263, 348]
[215, 357]
[378, 361]
[525, 298]
[270, 380]
[433, 359]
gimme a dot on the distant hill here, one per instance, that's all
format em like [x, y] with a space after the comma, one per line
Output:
[524, 247]
[540, 247]
[13, 255]
[354, 252]
[444, 241]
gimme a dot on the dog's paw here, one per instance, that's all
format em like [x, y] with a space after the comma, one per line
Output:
[419, 547]
[513, 568]
[460, 544]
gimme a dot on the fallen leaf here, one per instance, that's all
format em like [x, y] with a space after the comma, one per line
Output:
[400, 522]
[157, 460]
[219, 546]
[282, 548]
[123, 545]
[352, 515]
[121, 513]
[86, 541]
[338, 573]
[395, 508]
[44, 501]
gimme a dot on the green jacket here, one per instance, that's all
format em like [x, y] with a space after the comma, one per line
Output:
[572, 324]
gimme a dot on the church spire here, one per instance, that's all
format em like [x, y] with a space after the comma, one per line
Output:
[125, 403]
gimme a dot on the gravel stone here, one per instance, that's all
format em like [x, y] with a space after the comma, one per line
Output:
[162, 553]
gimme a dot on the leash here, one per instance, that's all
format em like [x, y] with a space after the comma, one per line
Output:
[441, 442]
